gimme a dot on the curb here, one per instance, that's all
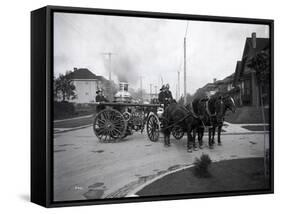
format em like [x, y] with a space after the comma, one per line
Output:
[133, 192]
[139, 188]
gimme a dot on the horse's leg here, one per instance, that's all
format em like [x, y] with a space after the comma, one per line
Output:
[194, 139]
[210, 137]
[200, 137]
[194, 134]
[213, 135]
[219, 134]
[167, 138]
[189, 141]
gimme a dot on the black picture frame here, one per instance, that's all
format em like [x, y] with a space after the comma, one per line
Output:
[42, 108]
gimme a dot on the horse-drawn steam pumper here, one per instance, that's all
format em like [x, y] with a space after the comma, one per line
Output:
[122, 117]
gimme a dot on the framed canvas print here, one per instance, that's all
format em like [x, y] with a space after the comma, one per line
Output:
[134, 106]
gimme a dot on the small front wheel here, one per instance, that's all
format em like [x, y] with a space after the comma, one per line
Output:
[153, 128]
[177, 132]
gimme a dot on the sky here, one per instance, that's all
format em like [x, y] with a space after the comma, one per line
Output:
[150, 49]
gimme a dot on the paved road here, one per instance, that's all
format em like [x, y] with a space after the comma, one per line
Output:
[85, 168]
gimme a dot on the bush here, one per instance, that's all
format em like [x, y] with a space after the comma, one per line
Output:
[201, 166]
[63, 110]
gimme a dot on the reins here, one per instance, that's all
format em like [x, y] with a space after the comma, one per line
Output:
[173, 124]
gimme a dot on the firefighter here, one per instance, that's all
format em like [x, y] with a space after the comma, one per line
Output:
[168, 93]
[168, 97]
[100, 98]
[161, 95]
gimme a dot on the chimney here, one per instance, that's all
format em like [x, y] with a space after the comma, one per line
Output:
[254, 40]
[75, 69]
[214, 80]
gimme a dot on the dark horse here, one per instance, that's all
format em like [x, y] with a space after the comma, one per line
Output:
[212, 112]
[177, 114]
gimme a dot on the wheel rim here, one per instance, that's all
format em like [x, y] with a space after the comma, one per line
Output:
[153, 128]
[109, 125]
[177, 132]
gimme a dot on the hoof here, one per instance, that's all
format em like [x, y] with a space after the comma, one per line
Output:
[211, 147]
[189, 150]
[219, 144]
[195, 148]
[200, 147]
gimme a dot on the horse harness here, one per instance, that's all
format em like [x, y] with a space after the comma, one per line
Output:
[177, 122]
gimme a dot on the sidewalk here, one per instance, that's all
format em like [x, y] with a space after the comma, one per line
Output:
[231, 128]
[228, 128]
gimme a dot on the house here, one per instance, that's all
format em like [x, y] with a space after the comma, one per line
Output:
[86, 84]
[245, 77]
[226, 84]
[208, 89]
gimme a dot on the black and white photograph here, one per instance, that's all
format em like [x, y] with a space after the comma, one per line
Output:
[147, 107]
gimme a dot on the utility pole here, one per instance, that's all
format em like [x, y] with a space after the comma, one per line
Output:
[141, 89]
[184, 67]
[150, 91]
[162, 83]
[179, 85]
[109, 54]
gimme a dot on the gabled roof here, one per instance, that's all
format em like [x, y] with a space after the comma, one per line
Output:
[82, 73]
[226, 80]
[262, 44]
[238, 71]
[250, 51]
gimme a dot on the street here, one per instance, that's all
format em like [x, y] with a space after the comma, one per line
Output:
[84, 168]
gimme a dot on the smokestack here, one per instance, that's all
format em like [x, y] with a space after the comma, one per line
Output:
[254, 40]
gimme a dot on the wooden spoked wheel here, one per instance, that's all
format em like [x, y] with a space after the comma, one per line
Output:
[109, 125]
[177, 132]
[153, 128]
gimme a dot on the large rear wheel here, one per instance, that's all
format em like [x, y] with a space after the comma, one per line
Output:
[109, 125]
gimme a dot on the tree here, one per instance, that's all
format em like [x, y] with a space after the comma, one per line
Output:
[261, 64]
[64, 88]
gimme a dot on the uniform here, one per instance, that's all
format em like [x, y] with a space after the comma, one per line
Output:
[100, 98]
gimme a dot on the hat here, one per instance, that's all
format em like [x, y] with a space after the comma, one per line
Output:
[163, 87]
[99, 90]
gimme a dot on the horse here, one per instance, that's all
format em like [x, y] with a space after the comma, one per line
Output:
[212, 114]
[177, 114]
[199, 109]
[217, 107]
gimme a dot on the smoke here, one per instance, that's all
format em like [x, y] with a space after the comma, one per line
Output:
[131, 49]
[125, 69]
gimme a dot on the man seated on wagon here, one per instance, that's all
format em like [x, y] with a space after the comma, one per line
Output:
[165, 96]
[161, 95]
[100, 98]
[168, 93]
